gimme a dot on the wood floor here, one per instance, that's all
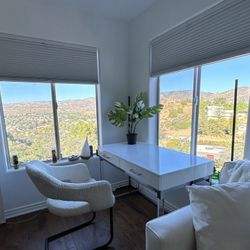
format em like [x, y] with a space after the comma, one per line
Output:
[130, 215]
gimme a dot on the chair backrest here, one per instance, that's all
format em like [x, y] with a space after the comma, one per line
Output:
[40, 175]
[97, 193]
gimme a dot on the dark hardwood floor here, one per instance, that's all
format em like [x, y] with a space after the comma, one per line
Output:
[130, 215]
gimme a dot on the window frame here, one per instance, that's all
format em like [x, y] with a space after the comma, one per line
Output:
[4, 134]
[195, 109]
[55, 120]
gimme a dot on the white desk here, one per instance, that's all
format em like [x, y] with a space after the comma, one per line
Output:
[156, 167]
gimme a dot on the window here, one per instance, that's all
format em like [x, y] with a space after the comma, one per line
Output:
[34, 113]
[214, 113]
[76, 117]
[176, 94]
[28, 114]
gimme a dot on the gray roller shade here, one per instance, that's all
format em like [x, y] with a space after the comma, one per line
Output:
[23, 58]
[217, 33]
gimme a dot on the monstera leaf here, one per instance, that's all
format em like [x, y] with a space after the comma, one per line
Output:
[118, 116]
[122, 113]
[151, 111]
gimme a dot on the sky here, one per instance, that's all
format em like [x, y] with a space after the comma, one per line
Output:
[215, 77]
[26, 92]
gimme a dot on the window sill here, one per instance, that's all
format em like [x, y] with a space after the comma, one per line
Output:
[62, 162]
[65, 161]
[20, 168]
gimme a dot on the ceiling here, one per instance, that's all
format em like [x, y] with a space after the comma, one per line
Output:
[118, 9]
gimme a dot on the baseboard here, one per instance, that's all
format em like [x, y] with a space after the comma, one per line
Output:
[152, 196]
[10, 213]
[2, 221]
[168, 206]
[119, 184]
[2, 218]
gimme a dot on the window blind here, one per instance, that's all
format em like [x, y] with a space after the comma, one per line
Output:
[217, 33]
[23, 58]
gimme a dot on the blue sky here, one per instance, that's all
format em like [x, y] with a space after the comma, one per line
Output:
[23, 92]
[215, 77]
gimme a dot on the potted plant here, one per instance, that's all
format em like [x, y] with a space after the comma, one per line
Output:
[131, 115]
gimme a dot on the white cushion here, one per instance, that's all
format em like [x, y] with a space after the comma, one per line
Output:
[241, 172]
[235, 171]
[172, 231]
[226, 171]
[221, 216]
[67, 208]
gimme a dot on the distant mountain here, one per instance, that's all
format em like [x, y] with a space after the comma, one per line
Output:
[74, 106]
[243, 94]
[78, 104]
[184, 94]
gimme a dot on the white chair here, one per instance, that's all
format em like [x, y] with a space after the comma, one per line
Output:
[70, 192]
[175, 230]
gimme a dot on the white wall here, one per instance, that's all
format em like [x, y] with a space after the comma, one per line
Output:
[156, 20]
[63, 21]
[60, 22]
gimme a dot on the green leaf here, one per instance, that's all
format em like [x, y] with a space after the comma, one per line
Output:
[118, 115]
[122, 113]
[151, 111]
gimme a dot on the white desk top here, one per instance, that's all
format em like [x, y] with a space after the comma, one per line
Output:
[155, 159]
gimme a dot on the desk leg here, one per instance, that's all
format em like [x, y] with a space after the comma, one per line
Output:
[159, 203]
[101, 176]
[163, 206]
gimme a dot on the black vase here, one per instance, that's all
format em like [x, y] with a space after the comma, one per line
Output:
[131, 138]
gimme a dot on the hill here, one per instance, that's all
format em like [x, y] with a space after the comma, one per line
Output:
[243, 94]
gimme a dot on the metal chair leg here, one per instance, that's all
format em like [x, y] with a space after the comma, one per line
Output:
[71, 230]
[111, 230]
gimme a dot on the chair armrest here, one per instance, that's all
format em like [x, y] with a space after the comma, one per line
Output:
[98, 194]
[173, 231]
[76, 173]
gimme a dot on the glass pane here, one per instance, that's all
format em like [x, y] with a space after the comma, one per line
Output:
[176, 94]
[28, 117]
[77, 117]
[241, 71]
[216, 109]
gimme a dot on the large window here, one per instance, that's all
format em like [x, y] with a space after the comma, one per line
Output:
[176, 94]
[34, 113]
[28, 117]
[76, 116]
[215, 88]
